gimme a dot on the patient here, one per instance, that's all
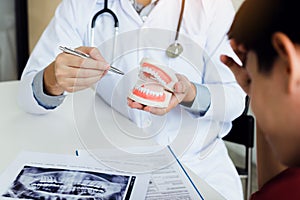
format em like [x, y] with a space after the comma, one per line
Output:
[266, 37]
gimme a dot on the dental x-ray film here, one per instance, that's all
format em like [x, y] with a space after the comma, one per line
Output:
[53, 183]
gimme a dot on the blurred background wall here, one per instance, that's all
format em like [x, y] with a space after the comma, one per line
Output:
[36, 9]
[8, 64]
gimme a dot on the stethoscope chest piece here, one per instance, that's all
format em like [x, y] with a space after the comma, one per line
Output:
[174, 50]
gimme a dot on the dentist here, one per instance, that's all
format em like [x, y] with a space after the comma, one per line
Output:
[206, 90]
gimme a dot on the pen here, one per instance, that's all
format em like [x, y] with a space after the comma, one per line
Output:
[83, 55]
[185, 172]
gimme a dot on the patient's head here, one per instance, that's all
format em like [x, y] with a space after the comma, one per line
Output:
[270, 31]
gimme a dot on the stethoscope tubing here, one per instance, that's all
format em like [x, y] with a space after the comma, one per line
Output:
[99, 13]
[116, 23]
[180, 20]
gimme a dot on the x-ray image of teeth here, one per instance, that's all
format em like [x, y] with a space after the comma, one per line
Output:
[61, 184]
[155, 84]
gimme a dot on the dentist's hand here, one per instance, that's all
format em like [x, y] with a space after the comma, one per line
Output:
[240, 72]
[72, 73]
[184, 91]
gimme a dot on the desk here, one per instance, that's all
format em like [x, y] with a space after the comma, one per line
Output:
[21, 131]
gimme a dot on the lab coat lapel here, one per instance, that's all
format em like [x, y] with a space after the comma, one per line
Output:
[164, 20]
[130, 11]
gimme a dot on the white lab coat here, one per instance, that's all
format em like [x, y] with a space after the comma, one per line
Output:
[204, 25]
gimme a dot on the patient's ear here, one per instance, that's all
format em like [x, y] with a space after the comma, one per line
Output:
[289, 55]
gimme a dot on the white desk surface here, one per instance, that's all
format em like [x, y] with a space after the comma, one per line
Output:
[51, 133]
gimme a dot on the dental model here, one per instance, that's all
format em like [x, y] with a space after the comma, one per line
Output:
[155, 84]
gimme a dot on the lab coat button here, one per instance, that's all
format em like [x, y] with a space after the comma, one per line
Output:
[147, 123]
[144, 18]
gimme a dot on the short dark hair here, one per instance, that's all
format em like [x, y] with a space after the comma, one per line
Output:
[257, 20]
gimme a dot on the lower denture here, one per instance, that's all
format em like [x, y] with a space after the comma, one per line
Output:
[151, 97]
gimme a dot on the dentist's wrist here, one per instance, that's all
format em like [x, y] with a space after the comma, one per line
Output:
[51, 87]
[190, 96]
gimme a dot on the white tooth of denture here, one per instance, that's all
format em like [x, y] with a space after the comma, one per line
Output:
[151, 71]
[161, 81]
[147, 70]
[142, 90]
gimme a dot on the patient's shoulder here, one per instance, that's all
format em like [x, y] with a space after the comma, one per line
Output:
[285, 185]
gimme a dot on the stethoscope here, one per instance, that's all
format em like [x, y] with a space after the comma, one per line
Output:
[174, 49]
